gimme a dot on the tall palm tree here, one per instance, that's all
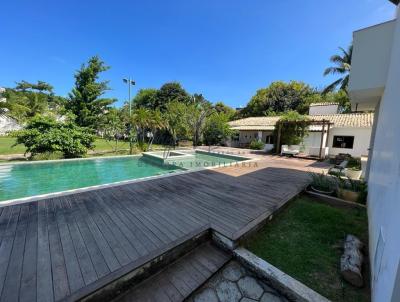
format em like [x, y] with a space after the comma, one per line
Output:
[343, 66]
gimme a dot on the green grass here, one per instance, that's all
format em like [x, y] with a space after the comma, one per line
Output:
[101, 146]
[5, 146]
[305, 241]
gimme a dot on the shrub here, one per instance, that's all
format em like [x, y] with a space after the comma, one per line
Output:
[354, 163]
[355, 186]
[323, 182]
[256, 145]
[46, 135]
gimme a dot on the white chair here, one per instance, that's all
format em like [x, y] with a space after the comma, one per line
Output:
[290, 150]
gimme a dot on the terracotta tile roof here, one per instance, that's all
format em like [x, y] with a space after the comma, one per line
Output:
[353, 120]
[323, 104]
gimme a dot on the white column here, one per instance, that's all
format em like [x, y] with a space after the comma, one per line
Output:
[259, 136]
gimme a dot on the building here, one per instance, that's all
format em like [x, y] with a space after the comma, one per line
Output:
[375, 85]
[347, 133]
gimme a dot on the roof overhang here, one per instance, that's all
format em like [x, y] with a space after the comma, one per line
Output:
[395, 1]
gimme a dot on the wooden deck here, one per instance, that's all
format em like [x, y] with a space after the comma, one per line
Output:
[53, 249]
[177, 281]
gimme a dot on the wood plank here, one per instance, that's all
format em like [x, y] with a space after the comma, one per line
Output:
[44, 279]
[61, 286]
[108, 253]
[27, 291]
[94, 251]
[85, 263]
[7, 244]
[14, 271]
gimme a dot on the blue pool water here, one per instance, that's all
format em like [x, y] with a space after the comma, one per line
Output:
[24, 180]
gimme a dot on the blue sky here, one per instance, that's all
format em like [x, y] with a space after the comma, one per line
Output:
[224, 49]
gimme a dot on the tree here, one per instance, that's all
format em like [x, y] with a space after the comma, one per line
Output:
[170, 92]
[145, 98]
[339, 97]
[29, 99]
[342, 67]
[175, 118]
[84, 99]
[293, 128]
[113, 127]
[196, 115]
[216, 128]
[44, 134]
[278, 97]
[221, 107]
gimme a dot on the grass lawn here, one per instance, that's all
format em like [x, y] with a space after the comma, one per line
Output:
[305, 241]
[101, 145]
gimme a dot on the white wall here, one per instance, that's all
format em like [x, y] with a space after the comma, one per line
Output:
[362, 138]
[370, 63]
[384, 186]
[361, 141]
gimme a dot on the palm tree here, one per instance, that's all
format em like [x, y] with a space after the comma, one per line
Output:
[343, 65]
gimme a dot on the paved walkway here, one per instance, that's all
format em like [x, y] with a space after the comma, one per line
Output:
[234, 283]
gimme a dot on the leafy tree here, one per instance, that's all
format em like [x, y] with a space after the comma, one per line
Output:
[293, 127]
[278, 97]
[39, 86]
[196, 114]
[141, 120]
[175, 118]
[113, 127]
[29, 99]
[342, 67]
[216, 128]
[171, 92]
[221, 107]
[145, 98]
[85, 100]
[44, 134]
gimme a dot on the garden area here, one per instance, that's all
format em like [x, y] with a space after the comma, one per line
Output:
[305, 241]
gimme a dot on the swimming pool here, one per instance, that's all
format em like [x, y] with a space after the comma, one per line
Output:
[21, 180]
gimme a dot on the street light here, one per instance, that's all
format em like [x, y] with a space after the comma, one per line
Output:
[130, 82]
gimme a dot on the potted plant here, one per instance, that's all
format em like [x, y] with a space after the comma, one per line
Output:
[352, 190]
[353, 169]
[323, 184]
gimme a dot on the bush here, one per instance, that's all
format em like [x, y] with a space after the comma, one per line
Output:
[323, 182]
[256, 145]
[46, 135]
[354, 163]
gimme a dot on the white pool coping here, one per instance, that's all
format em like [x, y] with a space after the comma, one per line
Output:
[33, 198]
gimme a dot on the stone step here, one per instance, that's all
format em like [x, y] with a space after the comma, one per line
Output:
[179, 279]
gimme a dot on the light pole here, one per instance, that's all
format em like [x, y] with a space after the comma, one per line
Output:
[130, 82]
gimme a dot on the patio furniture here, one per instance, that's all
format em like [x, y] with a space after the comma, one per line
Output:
[290, 150]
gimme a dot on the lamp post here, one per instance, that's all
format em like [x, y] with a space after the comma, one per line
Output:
[130, 82]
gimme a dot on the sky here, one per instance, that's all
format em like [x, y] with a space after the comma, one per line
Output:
[224, 49]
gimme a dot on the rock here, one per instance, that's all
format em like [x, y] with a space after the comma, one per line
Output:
[268, 297]
[250, 288]
[206, 295]
[227, 291]
[268, 288]
[233, 272]
[247, 300]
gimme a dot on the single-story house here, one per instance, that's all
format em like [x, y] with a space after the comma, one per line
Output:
[346, 133]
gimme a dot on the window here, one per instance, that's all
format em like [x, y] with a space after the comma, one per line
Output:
[343, 142]
[269, 139]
